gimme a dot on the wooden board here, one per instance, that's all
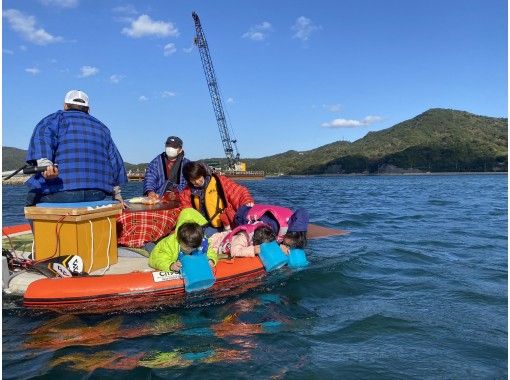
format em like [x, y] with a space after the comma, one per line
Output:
[71, 214]
[315, 231]
[137, 207]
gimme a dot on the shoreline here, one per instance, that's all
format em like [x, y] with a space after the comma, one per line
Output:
[20, 180]
[383, 174]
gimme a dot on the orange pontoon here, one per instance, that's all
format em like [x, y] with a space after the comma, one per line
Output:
[131, 284]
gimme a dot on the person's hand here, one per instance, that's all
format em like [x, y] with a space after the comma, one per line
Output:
[153, 195]
[285, 248]
[211, 263]
[250, 204]
[225, 220]
[171, 196]
[176, 267]
[118, 196]
[51, 172]
[121, 201]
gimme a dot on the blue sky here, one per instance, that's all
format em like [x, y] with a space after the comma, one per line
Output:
[293, 74]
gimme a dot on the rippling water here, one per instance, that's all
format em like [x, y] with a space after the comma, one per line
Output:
[418, 289]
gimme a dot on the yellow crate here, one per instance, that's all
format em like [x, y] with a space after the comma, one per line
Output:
[90, 234]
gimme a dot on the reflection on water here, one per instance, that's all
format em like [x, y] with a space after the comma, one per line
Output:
[224, 335]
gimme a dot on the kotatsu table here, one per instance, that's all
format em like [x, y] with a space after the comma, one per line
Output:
[139, 224]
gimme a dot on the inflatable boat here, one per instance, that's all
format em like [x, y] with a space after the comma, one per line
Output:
[130, 283]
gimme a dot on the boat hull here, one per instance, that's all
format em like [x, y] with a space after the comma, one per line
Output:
[137, 290]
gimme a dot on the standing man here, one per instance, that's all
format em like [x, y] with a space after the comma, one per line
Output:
[81, 159]
[164, 173]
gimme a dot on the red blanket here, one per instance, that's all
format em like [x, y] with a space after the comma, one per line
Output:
[136, 228]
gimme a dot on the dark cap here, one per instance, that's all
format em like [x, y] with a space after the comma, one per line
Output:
[174, 142]
[298, 222]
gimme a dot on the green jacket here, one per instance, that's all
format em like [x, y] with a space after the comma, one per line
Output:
[166, 252]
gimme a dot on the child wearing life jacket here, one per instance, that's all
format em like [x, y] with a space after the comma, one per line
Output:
[290, 227]
[242, 241]
[295, 237]
[188, 238]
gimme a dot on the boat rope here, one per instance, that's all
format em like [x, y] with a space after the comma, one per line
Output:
[108, 247]
[8, 238]
[58, 227]
[91, 246]
[57, 234]
[15, 274]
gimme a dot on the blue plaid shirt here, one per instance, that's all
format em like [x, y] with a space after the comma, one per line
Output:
[82, 147]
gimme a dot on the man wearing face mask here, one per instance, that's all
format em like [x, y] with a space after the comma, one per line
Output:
[164, 172]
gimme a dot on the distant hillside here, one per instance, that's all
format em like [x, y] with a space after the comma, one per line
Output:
[14, 158]
[438, 140]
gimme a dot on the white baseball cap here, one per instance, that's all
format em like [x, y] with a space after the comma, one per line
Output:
[77, 97]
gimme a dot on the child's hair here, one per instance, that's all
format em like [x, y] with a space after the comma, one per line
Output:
[193, 170]
[295, 239]
[190, 234]
[263, 235]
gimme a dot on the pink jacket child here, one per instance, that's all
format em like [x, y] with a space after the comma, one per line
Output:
[242, 241]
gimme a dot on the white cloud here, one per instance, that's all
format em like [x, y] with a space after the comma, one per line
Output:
[7, 51]
[125, 13]
[25, 25]
[61, 3]
[145, 26]
[88, 71]
[126, 9]
[116, 78]
[349, 123]
[332, 107]
[230, 100]
[33, 70]
[303, 28]
[169, 49]
[372, 119]
[188, 50]
[167, 94]
[258, 32]
[143, 98]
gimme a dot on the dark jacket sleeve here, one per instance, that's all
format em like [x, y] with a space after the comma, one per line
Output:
[154, 176]
[182, 183]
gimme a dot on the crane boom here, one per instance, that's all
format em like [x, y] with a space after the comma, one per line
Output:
[210, 76]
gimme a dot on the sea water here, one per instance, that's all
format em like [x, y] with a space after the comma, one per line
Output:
[417, 289]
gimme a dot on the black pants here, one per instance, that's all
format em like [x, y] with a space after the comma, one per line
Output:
[70, 196]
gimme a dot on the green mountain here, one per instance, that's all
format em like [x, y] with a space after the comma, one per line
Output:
[14, 158]
[438, 140]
